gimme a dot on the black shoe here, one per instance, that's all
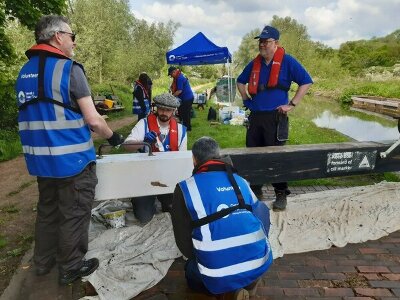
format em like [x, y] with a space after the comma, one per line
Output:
[45, 269]
[88, 267]
[281, 201]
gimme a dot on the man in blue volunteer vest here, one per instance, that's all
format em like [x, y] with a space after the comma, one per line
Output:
[220, 226]
[268, 78]
[181, 88]
[56, 114]
[163, 133]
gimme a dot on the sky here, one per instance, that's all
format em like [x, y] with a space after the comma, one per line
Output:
[225, 22]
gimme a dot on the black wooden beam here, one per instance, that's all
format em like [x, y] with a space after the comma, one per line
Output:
[295, 162]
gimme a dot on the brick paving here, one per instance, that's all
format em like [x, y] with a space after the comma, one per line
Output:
[366, 271]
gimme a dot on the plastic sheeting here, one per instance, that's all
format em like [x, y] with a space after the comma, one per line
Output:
[320, 220]
[132, 259]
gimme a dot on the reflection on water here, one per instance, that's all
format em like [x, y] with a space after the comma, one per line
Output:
[357, 129]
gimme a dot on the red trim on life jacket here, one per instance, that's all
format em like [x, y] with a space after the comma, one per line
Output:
[174, 81]
[173, 132]
[143, 88]
[47, 48]
[274, 75]
[204, 167]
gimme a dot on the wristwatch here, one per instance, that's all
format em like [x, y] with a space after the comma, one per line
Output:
[291, 103]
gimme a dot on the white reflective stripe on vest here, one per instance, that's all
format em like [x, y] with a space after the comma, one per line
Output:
[199, 207]
[57, 76]
[58, 150]
[51, 125]
[234, 269]
[229, 242]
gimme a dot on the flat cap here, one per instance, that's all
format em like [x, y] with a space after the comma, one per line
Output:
[167, 101]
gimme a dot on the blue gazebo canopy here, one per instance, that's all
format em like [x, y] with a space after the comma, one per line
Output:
[199, 50]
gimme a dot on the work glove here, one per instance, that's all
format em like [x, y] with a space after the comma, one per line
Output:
[150, 137]
[116, 139]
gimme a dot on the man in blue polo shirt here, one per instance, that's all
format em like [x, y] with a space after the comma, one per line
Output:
[181, 88]
[268, 78]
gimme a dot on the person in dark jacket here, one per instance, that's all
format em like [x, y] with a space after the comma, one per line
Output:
[142, 96]
[220, 226]
[56, 116]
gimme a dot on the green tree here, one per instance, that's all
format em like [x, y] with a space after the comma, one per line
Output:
[356, 56]
[247, 51]
[27, 13]
[294, 37]
[114, 45]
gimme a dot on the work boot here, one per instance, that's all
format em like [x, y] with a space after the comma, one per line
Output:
[281, 201]
[252, 288]
[240, 294]
[87, 268]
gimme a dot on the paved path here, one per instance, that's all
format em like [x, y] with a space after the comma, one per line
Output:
[370, 270]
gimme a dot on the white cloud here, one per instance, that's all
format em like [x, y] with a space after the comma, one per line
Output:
[331, 22]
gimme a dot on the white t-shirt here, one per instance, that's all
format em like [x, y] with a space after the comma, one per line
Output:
[138, 132]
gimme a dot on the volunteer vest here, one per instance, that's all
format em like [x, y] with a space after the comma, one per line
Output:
[136, 108]
[55, 139]
[274, 75]
[232, 251]
[171, 141]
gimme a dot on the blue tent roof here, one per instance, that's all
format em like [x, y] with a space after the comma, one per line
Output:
[199, 50]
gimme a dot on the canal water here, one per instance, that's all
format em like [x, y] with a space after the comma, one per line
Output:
[356, 128]
[359, 126]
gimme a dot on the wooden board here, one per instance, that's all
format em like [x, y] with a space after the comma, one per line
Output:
[385, 106]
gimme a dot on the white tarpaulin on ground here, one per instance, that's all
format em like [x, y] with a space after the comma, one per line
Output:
[320, 220]
[133, 259]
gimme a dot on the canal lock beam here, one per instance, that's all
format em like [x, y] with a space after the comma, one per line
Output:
[261, 165]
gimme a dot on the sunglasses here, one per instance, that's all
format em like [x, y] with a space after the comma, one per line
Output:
[72, 35]
[265, 42]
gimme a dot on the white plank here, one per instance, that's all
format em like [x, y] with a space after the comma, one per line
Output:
[137, 174]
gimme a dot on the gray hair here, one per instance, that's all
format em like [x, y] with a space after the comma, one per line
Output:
[205, 148]
[47, 26]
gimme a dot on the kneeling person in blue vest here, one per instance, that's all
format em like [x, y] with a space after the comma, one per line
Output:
[220, 226]
[163, 133]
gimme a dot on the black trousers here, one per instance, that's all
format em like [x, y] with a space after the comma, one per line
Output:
[63, 217]
[184, 111]
[263, 131]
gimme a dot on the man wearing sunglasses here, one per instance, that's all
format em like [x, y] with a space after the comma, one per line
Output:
[268, 78]
[56, 115]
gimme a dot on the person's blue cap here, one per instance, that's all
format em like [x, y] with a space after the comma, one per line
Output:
[268, 32]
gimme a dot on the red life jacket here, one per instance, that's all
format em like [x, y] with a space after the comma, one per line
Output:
[39, 48]
[274, 75]
[174, 80]
[146, 93]
[173, 132]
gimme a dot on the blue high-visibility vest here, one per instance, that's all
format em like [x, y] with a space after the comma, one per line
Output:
[232, 251]
[55, 139]
[136, 108]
